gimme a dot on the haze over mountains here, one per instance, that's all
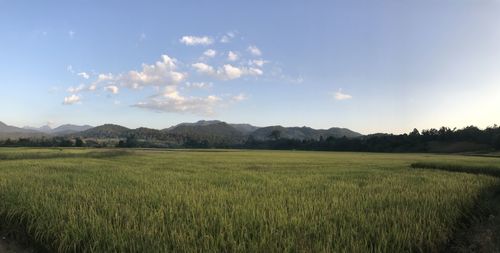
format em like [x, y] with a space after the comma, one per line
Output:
[60, 130]
[202, 129]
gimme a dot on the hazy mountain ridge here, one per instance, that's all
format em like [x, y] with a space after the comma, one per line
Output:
[203, 130]
[303, 133]
[4, 128]
[60, 130]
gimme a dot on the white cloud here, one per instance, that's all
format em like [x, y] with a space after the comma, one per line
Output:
[199, 85]
[84, 75]
[253, 71]
[73, 99]
[254, 50]
[227, 37]
[105, 77]
[194, 40]
[112, 88]
[142, 37]
[69, 68]
[71, 34]
[227, 71]
[204, 68]
[81, 87]
[210, 53]
[232, 56]
[239, 97]
[77, 89]
[259, 63]
[171, 101]
[339, 95]
[161, 73]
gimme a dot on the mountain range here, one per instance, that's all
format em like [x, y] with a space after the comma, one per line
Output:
[60, 130]
[213, 130]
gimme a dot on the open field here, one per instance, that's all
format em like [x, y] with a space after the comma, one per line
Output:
[237, 201]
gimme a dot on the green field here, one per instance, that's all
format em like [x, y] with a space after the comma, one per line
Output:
[236, 201]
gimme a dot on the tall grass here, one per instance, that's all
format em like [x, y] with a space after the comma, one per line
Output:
[249, 201]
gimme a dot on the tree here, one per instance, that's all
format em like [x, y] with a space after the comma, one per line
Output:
[415, 133]
[78, 142]
[496, 142]
[9, 142]
[131, 141]
[275, 134]
[121, 144]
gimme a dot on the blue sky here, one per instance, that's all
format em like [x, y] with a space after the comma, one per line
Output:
[372, 66]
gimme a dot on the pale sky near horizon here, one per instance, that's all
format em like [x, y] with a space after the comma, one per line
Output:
[371, 66]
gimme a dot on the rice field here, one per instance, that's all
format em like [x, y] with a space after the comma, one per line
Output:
[89, 200]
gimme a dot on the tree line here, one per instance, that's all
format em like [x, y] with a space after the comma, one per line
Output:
[443, 139]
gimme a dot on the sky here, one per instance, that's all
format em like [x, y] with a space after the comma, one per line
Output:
[371, 66]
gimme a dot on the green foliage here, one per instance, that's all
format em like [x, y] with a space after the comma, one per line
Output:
[78, 142]
[234, 201]
[275, 135]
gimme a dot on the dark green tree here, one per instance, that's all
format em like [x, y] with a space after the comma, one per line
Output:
[131, 141]
[78, 142]
[275, 134]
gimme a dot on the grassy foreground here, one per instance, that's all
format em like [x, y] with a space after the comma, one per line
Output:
[235, 201]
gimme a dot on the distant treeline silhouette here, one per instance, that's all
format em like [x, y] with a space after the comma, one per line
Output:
[444, 139]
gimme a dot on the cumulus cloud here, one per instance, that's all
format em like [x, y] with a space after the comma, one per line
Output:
[84, 75]
[339, 95]
[227, 71]
[254, 50]
[73, 99]
[172, 92]
[232, 56]
[161, 73]
[258, 63]
[203, 68]
[210, 53]
[112, 89]
[170, 100]
[199, 85]
[194, 40]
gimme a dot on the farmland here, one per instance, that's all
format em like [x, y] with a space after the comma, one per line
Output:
[93, 200]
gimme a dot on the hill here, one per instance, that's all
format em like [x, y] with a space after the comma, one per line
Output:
[60, 130]
[303, 133]
[244, 128]
[105, 131]
[69, 128]
[213, 132]
[4, 128]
